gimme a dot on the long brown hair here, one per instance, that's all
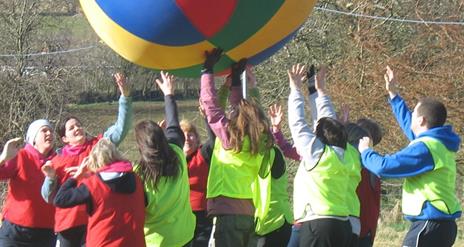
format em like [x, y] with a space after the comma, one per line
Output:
[248, 119]
[157, 158]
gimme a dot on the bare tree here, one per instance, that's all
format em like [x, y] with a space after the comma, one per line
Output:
[27, 91]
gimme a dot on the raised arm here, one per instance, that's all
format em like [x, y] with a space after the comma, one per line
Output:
[236, 88]
[10, 150]
[275, 115]
[323, 103]
[208, 146]
[8, 161]
[411, 161]
[117, 132]
[398, 105]
[215, 115]
[173, 131]
[306, 143]
[50, 184]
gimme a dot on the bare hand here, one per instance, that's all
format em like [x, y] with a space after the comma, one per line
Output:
[10, 149]
[48, 170]
[364, 143]
[123, 85]
[296, 74]
[162, 124]
[275, 115]
[78, 172]
[168, 83]
[319, 82]
[390, 82]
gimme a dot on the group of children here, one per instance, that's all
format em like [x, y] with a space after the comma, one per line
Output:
[232, 189]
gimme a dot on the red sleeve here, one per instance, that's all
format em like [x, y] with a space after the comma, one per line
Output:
[10, 168]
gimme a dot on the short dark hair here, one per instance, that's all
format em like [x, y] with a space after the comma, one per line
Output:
[61, 131]
[373, 129]
[433, 111]
[354, 133]
[331, 132]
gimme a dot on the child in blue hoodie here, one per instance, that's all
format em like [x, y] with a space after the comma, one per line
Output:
[428, 165]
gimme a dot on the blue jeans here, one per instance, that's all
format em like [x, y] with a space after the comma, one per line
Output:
[295, 236]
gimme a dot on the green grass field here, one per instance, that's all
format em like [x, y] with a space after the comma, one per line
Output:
[97, 117]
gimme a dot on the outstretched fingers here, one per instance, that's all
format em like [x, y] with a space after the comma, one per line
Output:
[166, 84]
[123, 85]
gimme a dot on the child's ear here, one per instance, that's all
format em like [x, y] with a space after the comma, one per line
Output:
[422, 121]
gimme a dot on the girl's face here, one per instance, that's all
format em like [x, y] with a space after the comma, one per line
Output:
[43, 141]
[191, 143]
[74, 134]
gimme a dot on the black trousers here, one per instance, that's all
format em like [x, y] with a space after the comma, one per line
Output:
[354, 241]
[278, 237]
[12, 235]
[366, 241]
[325, 233]
[431, 233]
[202, 230]
[73, 237]
[235, 231]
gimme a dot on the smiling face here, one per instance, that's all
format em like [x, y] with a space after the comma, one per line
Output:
[192, 142]
[74, 133]
[43, 141]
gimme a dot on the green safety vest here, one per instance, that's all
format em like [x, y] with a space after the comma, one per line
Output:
[279, 210]
[353, 159]
[322, 190]
[169, 220]
[437, 186]
[233, 174]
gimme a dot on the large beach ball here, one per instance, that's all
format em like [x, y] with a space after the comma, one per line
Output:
[172, 35]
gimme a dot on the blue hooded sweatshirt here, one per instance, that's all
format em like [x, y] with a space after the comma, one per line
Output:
[412, 160]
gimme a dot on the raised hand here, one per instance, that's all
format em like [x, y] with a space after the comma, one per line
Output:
[319, 82]
[123, 85]
[10, 150]
[275, 115]
[162, 124]
[296, 74]
[81, 171]
[48, 170]
[167, 84]
[212, 57]
[390, 82]
[364, 143]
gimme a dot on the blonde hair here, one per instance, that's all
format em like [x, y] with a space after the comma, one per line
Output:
[102, 154]
[189, 127]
